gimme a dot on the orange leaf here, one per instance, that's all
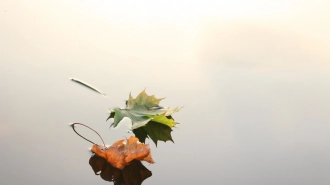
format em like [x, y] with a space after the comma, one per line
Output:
[120, 154]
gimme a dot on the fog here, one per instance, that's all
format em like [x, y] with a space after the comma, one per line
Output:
[252, 77]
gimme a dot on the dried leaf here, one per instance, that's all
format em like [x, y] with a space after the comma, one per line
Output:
[120, 154]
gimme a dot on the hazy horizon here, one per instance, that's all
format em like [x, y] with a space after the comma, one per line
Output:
[251, 75]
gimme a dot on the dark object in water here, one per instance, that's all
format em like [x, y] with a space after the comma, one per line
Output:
[133, 174]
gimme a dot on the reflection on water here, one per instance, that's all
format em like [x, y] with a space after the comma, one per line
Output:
[133, 174]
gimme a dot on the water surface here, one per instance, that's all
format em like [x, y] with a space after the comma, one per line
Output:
[256, 101]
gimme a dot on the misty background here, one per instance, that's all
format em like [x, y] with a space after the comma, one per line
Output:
[253, 77]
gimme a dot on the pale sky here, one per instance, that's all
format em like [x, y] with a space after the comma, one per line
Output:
[286, 31]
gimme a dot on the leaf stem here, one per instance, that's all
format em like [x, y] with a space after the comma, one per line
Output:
[83, 136]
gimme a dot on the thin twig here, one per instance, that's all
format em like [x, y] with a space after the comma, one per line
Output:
[83, 136]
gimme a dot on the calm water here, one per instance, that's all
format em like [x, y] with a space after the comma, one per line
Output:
[243, 121]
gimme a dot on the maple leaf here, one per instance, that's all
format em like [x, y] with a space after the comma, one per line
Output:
[143, 109]
[166, 120]
[120, 154]
[156, 131]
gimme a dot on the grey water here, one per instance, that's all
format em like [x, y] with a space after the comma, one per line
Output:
[253, 114]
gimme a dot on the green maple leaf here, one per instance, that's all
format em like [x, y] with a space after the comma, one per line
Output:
[149, 120]
[156, 131]
[163, 119]
[143, 109]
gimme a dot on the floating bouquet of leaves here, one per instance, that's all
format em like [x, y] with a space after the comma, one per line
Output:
[149, 120]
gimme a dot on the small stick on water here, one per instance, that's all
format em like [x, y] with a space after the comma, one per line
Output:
[83, 136]
[88, 86]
